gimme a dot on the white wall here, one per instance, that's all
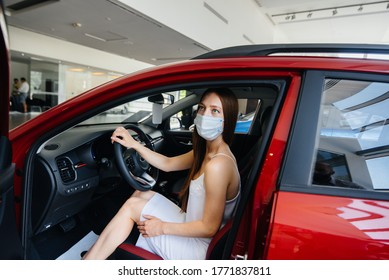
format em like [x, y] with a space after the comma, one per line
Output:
[19, 70]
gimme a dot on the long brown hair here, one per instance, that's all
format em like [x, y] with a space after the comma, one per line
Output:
[230, 112]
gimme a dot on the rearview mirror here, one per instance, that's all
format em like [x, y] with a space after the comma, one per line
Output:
[158, 99]
[161, 98]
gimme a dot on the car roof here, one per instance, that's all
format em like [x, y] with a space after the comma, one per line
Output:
[313, 49]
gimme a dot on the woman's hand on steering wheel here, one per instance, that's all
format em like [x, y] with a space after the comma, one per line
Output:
[135, 170]
[123, 137]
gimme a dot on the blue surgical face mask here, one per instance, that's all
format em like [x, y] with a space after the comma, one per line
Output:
[208, 127]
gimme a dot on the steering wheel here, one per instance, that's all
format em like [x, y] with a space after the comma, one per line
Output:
[135, 170]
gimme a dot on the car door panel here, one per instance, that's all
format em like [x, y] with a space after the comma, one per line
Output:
[348, 228]
[314, 219]
[9, 238]
[177, 142]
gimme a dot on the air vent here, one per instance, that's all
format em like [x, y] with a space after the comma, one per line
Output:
[66, 170]
[126, 8]
[213, 11]
[248, 39]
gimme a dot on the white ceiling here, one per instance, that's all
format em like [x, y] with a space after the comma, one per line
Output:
[355, 21]
[122, 32]
[104, 25]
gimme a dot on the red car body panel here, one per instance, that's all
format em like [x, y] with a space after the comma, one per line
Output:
[355, 228]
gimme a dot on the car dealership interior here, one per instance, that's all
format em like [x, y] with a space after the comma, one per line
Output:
[65, 47]
[250, 130]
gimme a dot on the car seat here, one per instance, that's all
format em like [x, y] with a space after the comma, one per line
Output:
[214, 252]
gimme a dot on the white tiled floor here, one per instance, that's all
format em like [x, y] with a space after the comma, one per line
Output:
[74, 253]
[17, 118]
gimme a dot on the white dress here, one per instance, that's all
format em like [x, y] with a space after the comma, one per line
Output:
[174, 247]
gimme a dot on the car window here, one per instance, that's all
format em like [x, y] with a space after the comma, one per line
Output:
[248, 109]
[352, 145]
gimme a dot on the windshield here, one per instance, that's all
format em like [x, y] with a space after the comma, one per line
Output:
[134, 111]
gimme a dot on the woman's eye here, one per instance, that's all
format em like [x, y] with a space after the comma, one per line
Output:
[216, 111]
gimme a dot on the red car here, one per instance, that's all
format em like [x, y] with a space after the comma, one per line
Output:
[314, 161]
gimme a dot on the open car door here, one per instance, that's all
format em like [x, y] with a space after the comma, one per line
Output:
[9, 237]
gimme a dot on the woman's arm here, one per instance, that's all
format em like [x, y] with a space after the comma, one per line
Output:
[181, 162]
[217, 177]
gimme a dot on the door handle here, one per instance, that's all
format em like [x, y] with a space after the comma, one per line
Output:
[189, 143]
[241, 257]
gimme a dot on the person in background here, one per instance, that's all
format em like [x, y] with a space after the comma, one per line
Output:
[23, 93]
[15, 86]
[14, 98]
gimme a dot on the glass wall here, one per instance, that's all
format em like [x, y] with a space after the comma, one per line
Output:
[50, 84]
[77, 79]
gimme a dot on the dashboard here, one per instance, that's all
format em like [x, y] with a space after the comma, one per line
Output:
[74, 168]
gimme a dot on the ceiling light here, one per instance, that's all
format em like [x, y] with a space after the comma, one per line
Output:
[95, 37]
[338, 11]
[36, 58]
[98, 73]
[258, 3]
[76, 69]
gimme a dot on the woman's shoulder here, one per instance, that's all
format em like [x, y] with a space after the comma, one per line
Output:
[221, 162]
[223, 168]
[225, 155]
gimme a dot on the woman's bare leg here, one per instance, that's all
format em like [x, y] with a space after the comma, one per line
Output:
[119, 227]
